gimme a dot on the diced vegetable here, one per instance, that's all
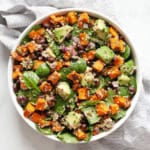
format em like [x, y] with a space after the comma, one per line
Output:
[118, 60]
[73, 120]
[101, 29]
[61, 32]
[54, 77]
[122, 101]
[98, 65]
[83, 93]
[91, 115]
[41, 104]
[113, 32]
[43, 70]
[29, 109]
[124, 80]
[128, 67]
[79, 66]
[101, 94]
[114, 72]
[45, 87]
[81, 135]
[74, 76]
[105, 53]
[64, 72]
[119, 115]
[102, 109]
[114, 108]
[63, 89]
[72, 17]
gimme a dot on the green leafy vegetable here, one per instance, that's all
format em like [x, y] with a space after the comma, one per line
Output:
[119, 115]
[46, 130]
[110, 94]
[60, 105]
[31, 80]
[127, 52]
[123, 91]
[64, 72]
[67, 138]
[87, 104]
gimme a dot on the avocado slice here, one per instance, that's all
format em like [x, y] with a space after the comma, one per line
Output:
[63, 90]
[105, 54]
[73, 120]
[101, 29]
[61, 33]
[124, 80]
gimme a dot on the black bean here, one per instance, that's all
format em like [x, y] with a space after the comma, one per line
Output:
[15, 88]
[22, 100]
[96, 82]
[44, 45]
[46, 24]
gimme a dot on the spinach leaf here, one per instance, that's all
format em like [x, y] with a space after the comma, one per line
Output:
[60, 105]
[119, 115]
[110, 94]
[31, 80]
[32, 95]
[64, 72]
[67, 138]
[123, 91]
[46, 130]
[87, 104]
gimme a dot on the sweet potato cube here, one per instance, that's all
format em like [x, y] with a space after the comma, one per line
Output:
[72, 17]
[36, 117]
[118, 60]
[37, 63]
[102, 109]
[29, 109]
[114, 72]
[122, 101]
[114, 108]
[113, 32]
[83, 93]
[17, 57]
[41, 104]
[81, 135]
[31, 46]
[98, 65]
[54, 77]
[16, 74]
[101, 94]
[74, 76]
[45, 87]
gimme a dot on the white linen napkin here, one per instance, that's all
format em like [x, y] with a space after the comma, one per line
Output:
[135, 133]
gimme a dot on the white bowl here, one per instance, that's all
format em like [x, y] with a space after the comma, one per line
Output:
[134, 54]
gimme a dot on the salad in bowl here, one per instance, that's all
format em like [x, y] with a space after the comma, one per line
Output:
[74, 76]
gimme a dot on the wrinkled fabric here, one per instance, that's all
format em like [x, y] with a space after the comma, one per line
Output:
[135, 133]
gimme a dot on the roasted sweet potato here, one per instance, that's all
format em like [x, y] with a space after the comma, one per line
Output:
[41, 104]
[117, 45]
[74, 76]
[118, 60]
[29, 109]
[101, 94]
[83, 93]
[16, 74]
[54, 77]
[102, 109]
[31, 46]
[45, 87]
[113, 32]
[59, 65]
[81, 135]
[114, 108]
[89, 55]
[56, 126]
[98, 65]
[37, 63]
[122, 101]
[83, 39]
[72, 17]
[114, 72]
[16, 56]
[67, 55]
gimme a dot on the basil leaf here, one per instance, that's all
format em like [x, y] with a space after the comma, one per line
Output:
[31, 80]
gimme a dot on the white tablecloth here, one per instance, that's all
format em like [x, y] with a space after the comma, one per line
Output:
[134, 16]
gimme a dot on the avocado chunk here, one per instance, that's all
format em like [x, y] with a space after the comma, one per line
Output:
[61, 33]
[124, 80]
[128, 67]
[91, 115]
[63, 90]
[101, 29]
[43, 70]
[73, 120]
[105, 54]
[79, 66]
[88, 79]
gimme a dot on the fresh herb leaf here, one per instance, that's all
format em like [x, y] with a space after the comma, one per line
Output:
[46, 130]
